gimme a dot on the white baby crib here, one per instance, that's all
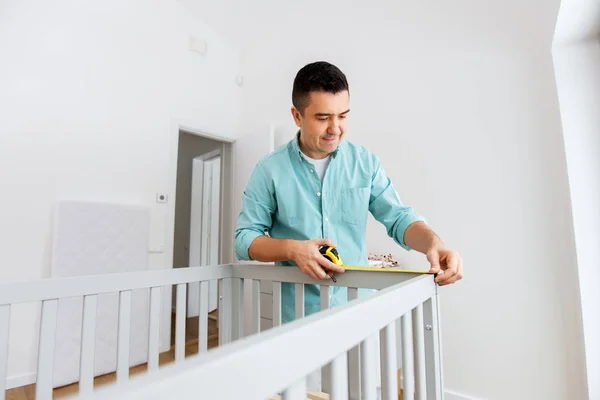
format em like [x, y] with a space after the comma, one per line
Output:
[340, 343]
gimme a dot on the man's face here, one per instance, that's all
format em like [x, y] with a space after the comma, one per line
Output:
[323, 123]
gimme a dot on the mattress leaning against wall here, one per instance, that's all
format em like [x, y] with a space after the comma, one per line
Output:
[97, 238]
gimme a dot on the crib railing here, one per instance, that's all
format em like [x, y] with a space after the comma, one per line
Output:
[341, 341]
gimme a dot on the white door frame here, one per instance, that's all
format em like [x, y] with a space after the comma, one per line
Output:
[164, 244]
[164, 240]
[192, 128]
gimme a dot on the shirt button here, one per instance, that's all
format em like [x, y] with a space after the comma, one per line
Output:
[318, 193]
[326, 219]
[311, 171]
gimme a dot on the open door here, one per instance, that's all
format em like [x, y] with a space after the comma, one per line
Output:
[204, 225]
[209, 250]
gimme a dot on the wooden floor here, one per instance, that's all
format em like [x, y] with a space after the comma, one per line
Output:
[191, 348]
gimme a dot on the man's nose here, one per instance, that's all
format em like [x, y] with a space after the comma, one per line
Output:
[334, 127]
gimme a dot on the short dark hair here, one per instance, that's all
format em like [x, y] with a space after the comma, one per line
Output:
[317, 76]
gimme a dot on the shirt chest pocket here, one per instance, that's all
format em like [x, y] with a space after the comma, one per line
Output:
[355, 205]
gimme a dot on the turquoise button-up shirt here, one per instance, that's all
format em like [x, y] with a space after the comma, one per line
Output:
[285, 197]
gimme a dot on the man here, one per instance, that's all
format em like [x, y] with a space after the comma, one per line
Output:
[319, 189]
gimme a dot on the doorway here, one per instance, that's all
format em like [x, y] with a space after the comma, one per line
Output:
[203, 182]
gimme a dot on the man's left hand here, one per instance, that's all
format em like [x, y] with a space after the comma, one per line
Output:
[448, 261]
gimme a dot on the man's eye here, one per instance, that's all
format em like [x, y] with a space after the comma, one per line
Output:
[322, 119]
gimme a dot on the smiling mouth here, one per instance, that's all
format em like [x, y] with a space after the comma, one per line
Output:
[330, 138]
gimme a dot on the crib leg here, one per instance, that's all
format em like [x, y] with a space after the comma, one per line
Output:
[433, 349]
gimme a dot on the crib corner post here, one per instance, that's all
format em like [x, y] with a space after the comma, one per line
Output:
[433, 348]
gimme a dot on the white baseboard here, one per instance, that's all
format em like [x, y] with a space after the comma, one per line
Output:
[20, 380]
[450, 395]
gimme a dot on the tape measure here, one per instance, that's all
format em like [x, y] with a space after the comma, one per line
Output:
[333, 255]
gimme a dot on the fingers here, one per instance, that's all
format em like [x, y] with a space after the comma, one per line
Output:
[453, 270]
[314, 270]
[325, 242]
[458, 275]
[434, 259]
[325, 263]
[312, 274]
[319, 272]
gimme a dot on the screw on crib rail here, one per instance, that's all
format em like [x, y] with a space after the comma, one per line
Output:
[428, 327]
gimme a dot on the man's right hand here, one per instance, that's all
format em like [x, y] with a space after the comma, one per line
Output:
[307, 257]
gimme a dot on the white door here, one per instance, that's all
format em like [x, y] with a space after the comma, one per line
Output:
[209, 251]
[248, 150]
[204, 226]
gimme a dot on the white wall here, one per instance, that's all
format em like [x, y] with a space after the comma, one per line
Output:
[459, 102]
[87, 94]
[578, 81]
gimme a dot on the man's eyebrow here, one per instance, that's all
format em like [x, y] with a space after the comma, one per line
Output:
[329, 114]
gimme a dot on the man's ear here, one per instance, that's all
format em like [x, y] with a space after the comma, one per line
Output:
[297, 116]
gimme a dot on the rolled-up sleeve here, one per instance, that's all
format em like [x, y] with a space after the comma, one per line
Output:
[386, 207]
[258, 206]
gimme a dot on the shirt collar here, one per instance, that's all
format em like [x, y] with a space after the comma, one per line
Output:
[295, 143]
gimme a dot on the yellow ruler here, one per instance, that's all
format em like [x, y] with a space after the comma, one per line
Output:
[333, 255]
[383, 269]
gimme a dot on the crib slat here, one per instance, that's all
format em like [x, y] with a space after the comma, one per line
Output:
[43, 387]
[237, 309]
[203, 317]
[326, 369]
[368, 368]
[180, 316]
[433, 348]
[389, 380]
[296, 391]
[225, 313]
[339, 378]
[407, 365]
[4, 334]
[124, 335]
[419, 352]
[88, 344]
[325, 300]
[153, 339]
[299, 300]
[276, 304]
[255, 306]
[354, 359]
